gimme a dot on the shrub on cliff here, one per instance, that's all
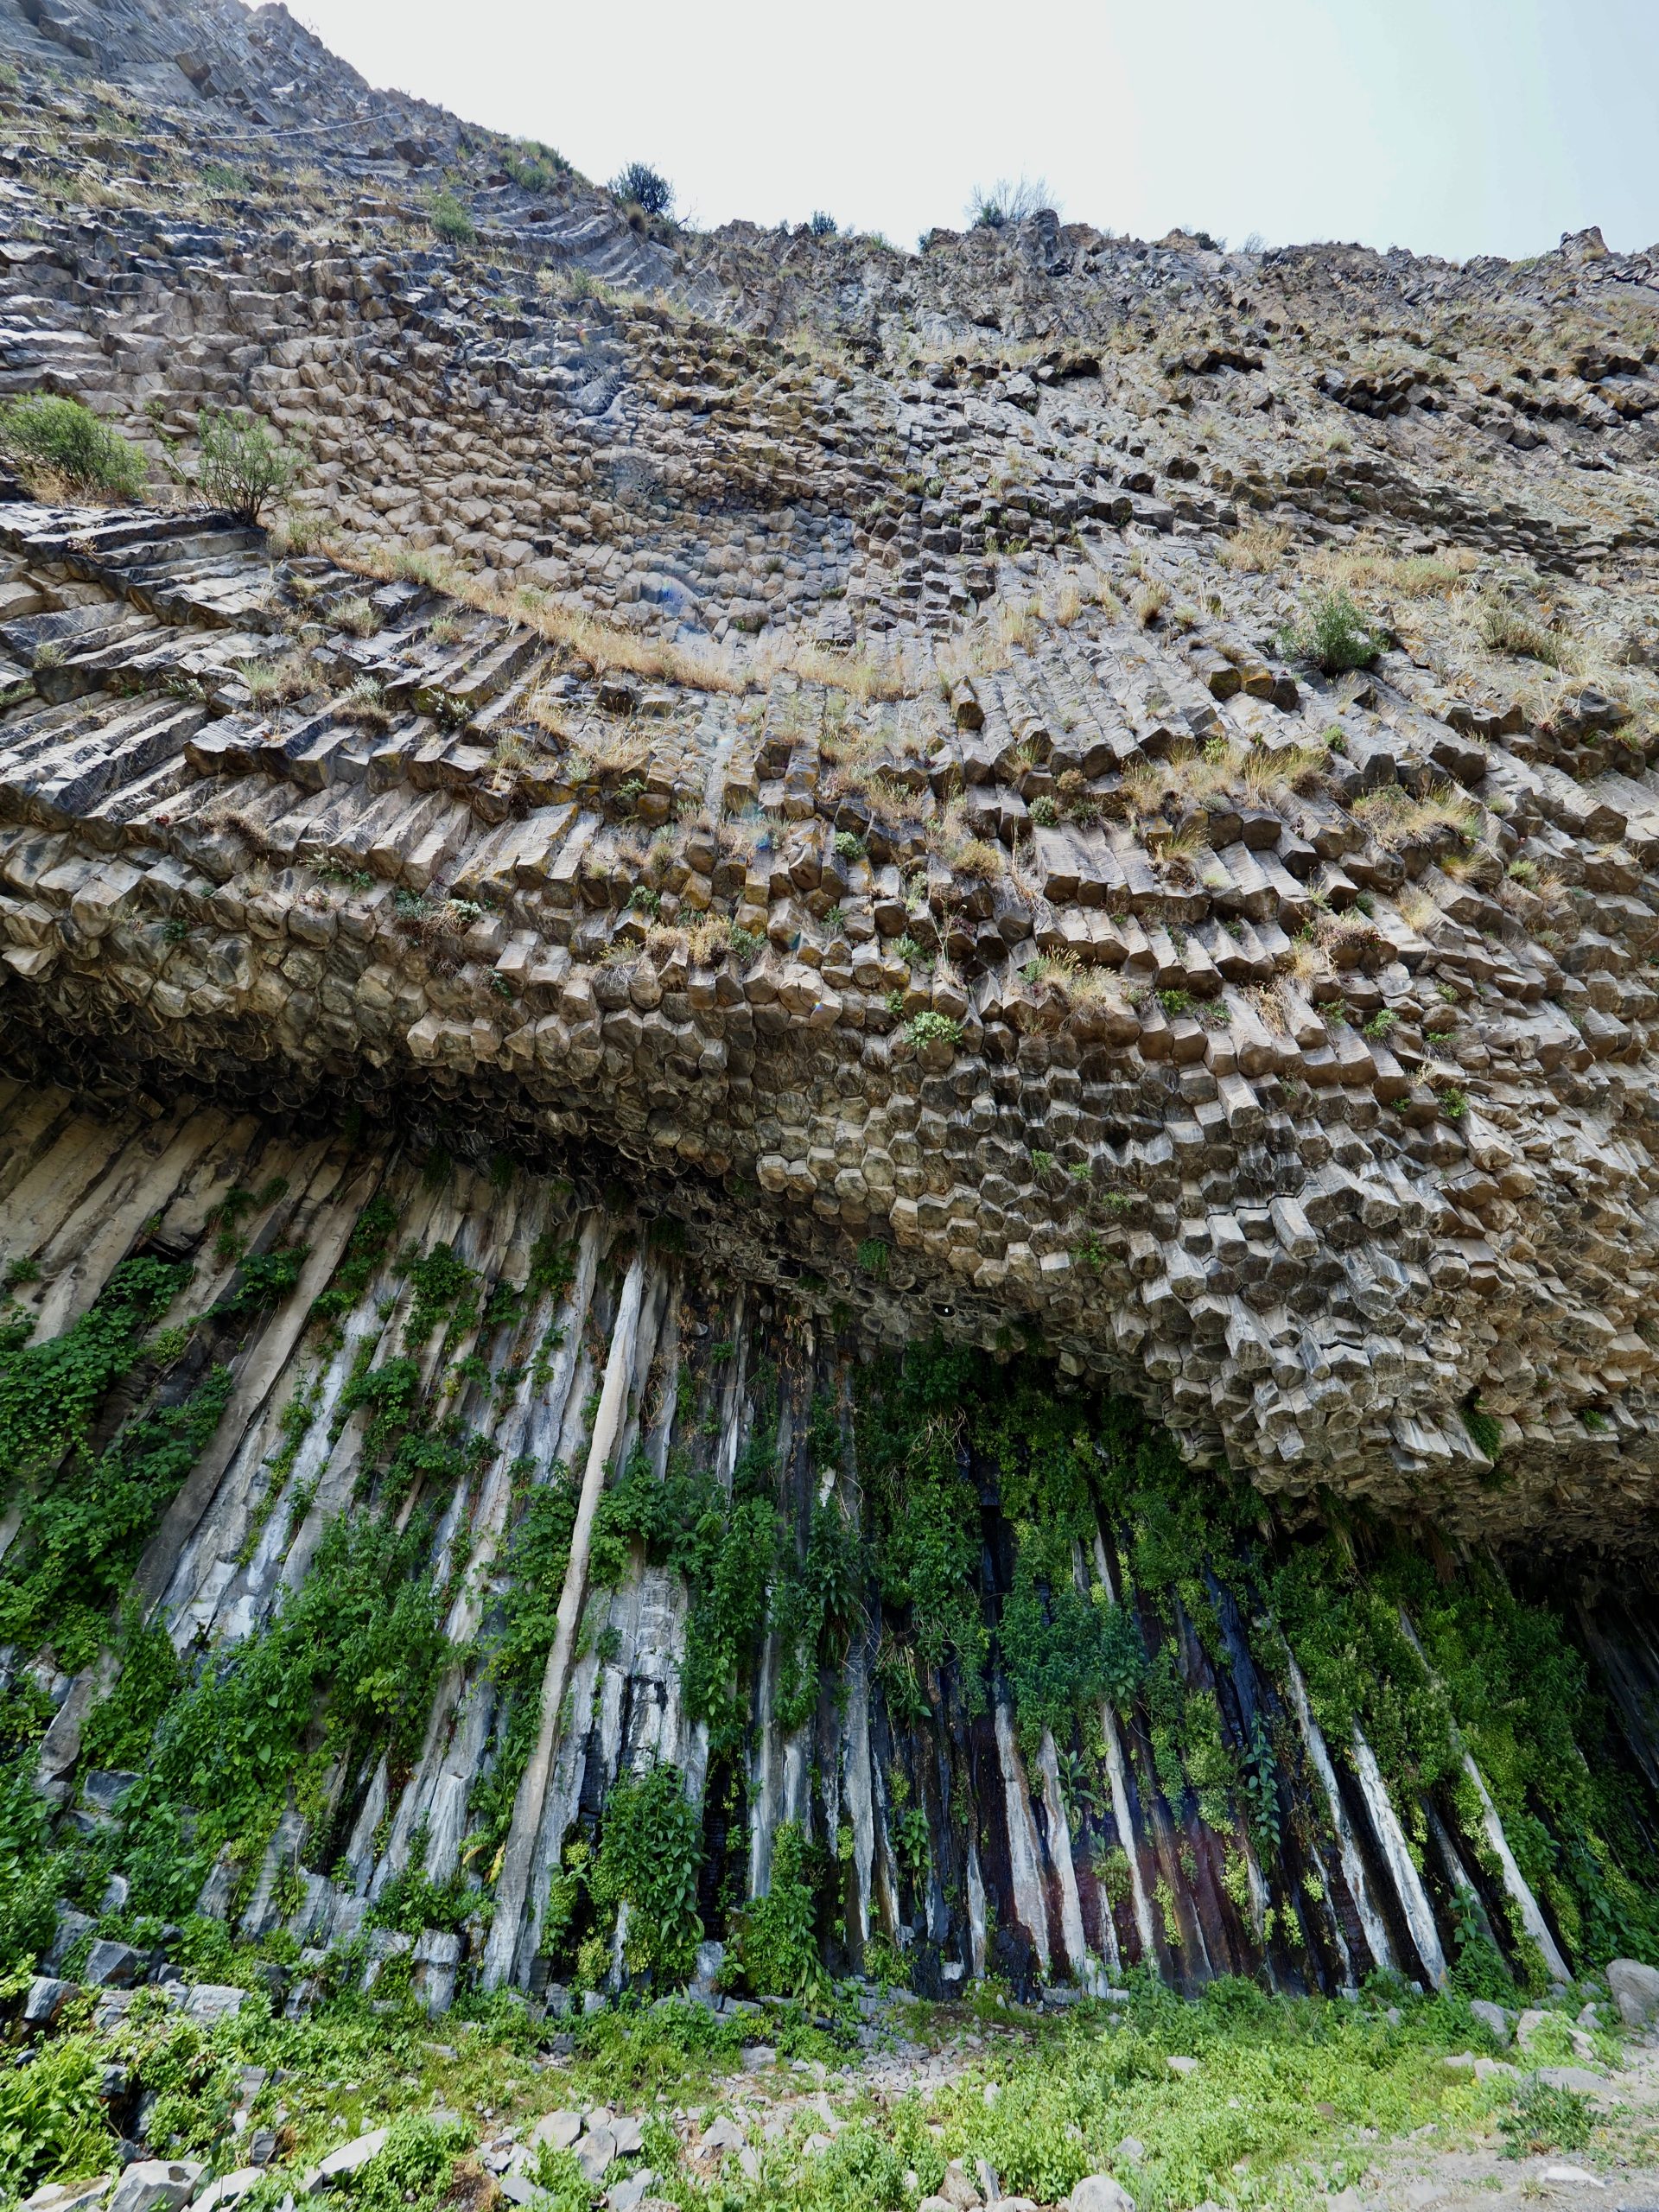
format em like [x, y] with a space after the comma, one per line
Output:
[646, 188]
[1009, 200]
[242, 466]
[449, 218]
[60, 447]
[1333, 635]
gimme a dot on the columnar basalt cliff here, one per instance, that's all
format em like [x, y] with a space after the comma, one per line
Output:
[879, 1025]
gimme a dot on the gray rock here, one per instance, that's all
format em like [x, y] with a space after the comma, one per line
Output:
[595, 2152]
[47, 1997]
[207, 2001]
[437, 1963]
[1492, 2016]
[517, 2190]
[1100, 2193]
[711, 1957]
[1635, 1991]
[561, 2129]
[229, 2188]
[70, 1927]
[628, 2194]
[339, 2164]
[149, 2183]
[104, 1792]
[69, 2196]
[111, 1966]
[1573, 2077]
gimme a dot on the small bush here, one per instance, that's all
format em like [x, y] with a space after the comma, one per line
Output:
[534, 166]
[777, 1935]
[1544, 2119]
[929, 1027]
[822, 224]
[645, 188]
[242, 466]
[1335, 636]
[449, 218]
[1009, 200]
[60, 439]
[1485, 1429]
[51, 2123]
[650, 1854]
[415, 2167]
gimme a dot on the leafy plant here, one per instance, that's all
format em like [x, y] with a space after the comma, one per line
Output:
[534, 166]
[52, 2122]
[650, 1855]
[1546, 2119]
[62, 443]
[1333, 635]
[414, 2167]
[242, 465]
[539, 1553]
[351, 1658]
[365, 1250]
[776, 1935]
[645, 188]
[80, 1535]
[449, 219]
[1063, 1651]
[1485, 1428]
[931, 1027]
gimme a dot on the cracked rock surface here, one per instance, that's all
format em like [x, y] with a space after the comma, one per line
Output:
[866, 781]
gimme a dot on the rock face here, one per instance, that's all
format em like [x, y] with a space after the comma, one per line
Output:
[1086, 813]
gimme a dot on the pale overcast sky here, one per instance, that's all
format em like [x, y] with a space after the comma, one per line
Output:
[1451, 126]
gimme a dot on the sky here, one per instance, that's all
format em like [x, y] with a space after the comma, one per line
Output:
[1453, 127]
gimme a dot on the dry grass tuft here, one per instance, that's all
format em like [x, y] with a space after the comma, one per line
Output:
[1393, 816]
[365, 703]
[1505, 629]
[1411, 575]
[274, 683]
[1256, 549]
[1068, 601]
[356, 615]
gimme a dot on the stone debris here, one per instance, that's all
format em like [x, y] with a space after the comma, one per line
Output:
[1635, 1991]
[156, 2185]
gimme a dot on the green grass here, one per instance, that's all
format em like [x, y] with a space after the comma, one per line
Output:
[1333, 635]
[448, 217]
[1273, 2111]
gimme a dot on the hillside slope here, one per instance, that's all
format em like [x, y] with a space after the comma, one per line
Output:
[877, 1025]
